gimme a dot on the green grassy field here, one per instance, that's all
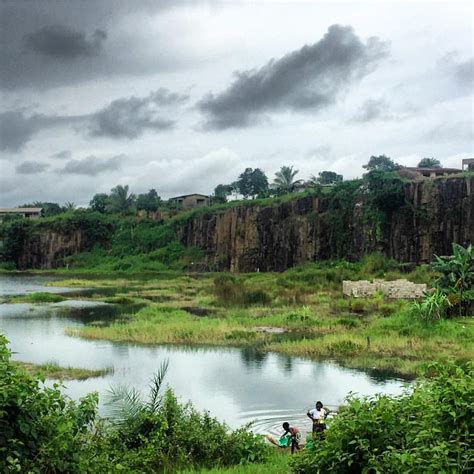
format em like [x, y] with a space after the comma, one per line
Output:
[53, 371]
[300, 312]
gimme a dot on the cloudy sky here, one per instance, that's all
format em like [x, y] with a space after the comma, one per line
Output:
[182, 96]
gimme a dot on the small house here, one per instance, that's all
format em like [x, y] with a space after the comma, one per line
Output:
[189, 201]
[432, 172]
[27, 212]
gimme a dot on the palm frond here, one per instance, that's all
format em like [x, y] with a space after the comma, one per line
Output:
[156, 385]
[124, 404]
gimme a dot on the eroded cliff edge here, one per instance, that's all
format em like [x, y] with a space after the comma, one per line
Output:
[248, 238]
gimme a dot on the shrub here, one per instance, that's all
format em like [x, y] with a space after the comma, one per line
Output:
[231, 290]
[428, 429]
[432, 308]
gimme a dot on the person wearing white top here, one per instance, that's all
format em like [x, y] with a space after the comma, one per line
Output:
[318, 416]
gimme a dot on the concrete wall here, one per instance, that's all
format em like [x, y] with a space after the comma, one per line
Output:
[397, 289]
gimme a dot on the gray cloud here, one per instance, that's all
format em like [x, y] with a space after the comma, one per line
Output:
[131, 117]
[31, 167]
[372, 109]
[464, 72]
[60, 42]
[92, 166]
[16, 129]
[308, 79]
[62, 155]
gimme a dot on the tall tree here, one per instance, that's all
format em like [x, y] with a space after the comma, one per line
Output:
[120, 200]
[252, 182]
[99, 202]
[69, 206]
[381, 163]
[221, 192]
[326, 177]
[149, 201]
[429, 163]
[285, 181]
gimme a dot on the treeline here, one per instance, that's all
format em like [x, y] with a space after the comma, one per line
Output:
[252, 183]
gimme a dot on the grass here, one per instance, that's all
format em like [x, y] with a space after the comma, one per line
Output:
[306, 304]
[53, 371]
[278, 464]
[37, 297]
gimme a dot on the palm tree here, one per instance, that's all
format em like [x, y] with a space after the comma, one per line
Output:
[129, 411]
[120, 200]
[69, 206]
[285, 181]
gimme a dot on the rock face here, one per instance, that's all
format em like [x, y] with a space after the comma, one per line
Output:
[250, 238]
[47, 249]
[273, 238]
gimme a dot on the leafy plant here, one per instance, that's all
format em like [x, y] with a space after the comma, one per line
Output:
[428, 429]
[456, 275]
[432, 308]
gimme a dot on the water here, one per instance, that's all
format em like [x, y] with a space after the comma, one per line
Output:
[235, 385]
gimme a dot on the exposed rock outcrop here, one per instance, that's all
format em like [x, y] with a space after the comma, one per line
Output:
[248, 238]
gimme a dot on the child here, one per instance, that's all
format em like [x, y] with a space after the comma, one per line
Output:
[318, 416]
[295, 436]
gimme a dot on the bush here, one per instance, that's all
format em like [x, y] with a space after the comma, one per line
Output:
[40, 429]
[426, 430]
[231, 290]
[433, 307]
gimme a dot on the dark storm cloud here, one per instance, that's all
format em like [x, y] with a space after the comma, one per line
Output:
[370, 110]
[31, 167]
[49, 43]
[16, 129]
[131, 117]
[92, 166]
[62, 155]
[60, 42]
[308, 79]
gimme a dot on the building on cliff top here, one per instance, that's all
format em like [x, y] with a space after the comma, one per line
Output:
[28, 212]
[189, 201]
[431, 172]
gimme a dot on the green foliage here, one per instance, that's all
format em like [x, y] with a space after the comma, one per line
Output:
[429, 429]
[284, 181]
[327, 177]
[99, 203]
[120, 200]
[433, 307]
[385, 193]
[252, 182]
[40, 429]
[149, 201]
[429, 163]
[231, 290]
[39, 297]
[381, 163]
[221, 192]
[456, 276]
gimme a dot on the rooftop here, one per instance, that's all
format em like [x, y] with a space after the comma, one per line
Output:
[16, 210]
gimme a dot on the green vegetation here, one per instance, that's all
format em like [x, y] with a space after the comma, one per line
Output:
[41, 430]
[429, 429]
[299, 312]
[52, 370]
[37, 297]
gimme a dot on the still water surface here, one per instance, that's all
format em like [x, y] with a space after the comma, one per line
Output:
[235, 385]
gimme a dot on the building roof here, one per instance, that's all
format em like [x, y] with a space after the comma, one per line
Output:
[430, 170]
[18, 210]
[188, 195]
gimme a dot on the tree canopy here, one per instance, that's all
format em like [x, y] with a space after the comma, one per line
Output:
[429, 163]
[284, 181]
[252, 182]
[327, 177]
[381, 163]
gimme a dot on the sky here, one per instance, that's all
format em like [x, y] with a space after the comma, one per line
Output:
[181, 96]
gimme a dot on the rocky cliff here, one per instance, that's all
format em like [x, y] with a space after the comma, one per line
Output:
[436, 213]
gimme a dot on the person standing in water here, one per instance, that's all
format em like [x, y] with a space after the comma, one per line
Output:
[318, 416]
[295, 436]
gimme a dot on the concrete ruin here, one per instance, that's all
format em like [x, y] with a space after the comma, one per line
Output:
[396, 289]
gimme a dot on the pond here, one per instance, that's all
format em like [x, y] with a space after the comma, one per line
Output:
[235, 385]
